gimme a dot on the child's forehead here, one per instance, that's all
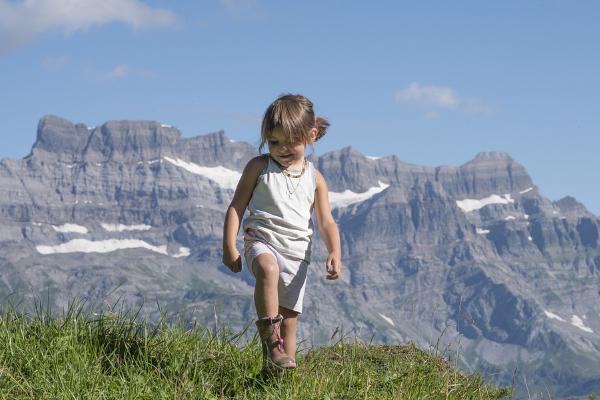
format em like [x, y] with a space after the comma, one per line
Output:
[276, 134]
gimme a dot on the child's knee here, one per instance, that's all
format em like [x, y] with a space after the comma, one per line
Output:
[265, 266]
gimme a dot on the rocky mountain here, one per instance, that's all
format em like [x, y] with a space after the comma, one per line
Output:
[469, 259]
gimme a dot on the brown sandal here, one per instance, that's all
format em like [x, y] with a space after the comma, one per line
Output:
[273, 352]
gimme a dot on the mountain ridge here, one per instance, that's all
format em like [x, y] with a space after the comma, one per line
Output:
[471, 253]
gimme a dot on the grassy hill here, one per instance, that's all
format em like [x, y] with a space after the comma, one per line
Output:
[81, 355]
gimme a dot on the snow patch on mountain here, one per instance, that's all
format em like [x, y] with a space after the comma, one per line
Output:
[122, 228]
[578, 322]
[387, 319]
[183, 252]
[526, 190]
[468, 205]
[348, 197]
[226, 178]
[70, 228]
[551, 315]
[106, 246]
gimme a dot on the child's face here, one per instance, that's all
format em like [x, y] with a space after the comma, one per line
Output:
[285, 153]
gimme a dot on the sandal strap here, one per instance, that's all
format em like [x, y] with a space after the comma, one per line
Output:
[276, 323]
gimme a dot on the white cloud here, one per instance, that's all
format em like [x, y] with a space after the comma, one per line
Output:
[22, 21]
[433, 99]
[242, 9]
[119, 71]
[436, 96]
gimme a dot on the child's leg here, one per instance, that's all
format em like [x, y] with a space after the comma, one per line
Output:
[288, 330]
[266, 298]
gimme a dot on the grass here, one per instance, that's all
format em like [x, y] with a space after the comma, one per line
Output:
[81, 355]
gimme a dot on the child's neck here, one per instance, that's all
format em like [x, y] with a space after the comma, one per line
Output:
[295, 166]
[298, 165]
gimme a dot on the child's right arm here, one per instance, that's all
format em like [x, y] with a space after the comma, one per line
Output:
[235, 212]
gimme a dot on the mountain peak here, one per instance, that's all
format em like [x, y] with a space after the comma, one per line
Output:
[58, 135]
[492, 172]
[344, 152]
[50, 119]
[569, 204]
[136, 136]
[490, 156]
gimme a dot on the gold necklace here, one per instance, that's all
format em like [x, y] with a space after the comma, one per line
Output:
[289, 183]
[288, 174]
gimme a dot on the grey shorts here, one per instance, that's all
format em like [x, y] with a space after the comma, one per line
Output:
[292, 273]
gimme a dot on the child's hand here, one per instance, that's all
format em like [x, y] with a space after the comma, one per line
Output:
[233, 260]
[334, 266]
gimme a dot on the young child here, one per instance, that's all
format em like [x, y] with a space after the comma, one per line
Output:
[280, 190]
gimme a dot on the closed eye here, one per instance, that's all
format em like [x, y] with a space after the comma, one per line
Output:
[273, 142]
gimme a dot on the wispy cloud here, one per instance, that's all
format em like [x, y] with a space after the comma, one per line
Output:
[433, 99]
[242, 9]
[24, 20]
[118, 72]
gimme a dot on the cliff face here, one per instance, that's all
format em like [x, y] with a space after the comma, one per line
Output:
[470, 255]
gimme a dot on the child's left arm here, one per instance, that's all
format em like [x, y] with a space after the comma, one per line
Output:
[328, 228]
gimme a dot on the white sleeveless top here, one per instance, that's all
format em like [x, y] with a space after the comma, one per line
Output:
[280, 210]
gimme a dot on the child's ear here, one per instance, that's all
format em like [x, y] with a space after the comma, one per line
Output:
[313, 135]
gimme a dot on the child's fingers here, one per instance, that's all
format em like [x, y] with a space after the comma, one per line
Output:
[332, 264]
[235, 265]
[329, 264]
[333, 268]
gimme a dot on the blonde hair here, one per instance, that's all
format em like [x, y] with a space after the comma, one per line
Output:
[294, 115]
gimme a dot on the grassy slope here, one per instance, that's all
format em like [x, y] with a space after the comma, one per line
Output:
[112, 357]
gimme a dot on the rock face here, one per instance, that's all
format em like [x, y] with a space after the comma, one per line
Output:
[469, 257]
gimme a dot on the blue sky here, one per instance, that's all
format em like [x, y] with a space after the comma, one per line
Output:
[432, 82]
